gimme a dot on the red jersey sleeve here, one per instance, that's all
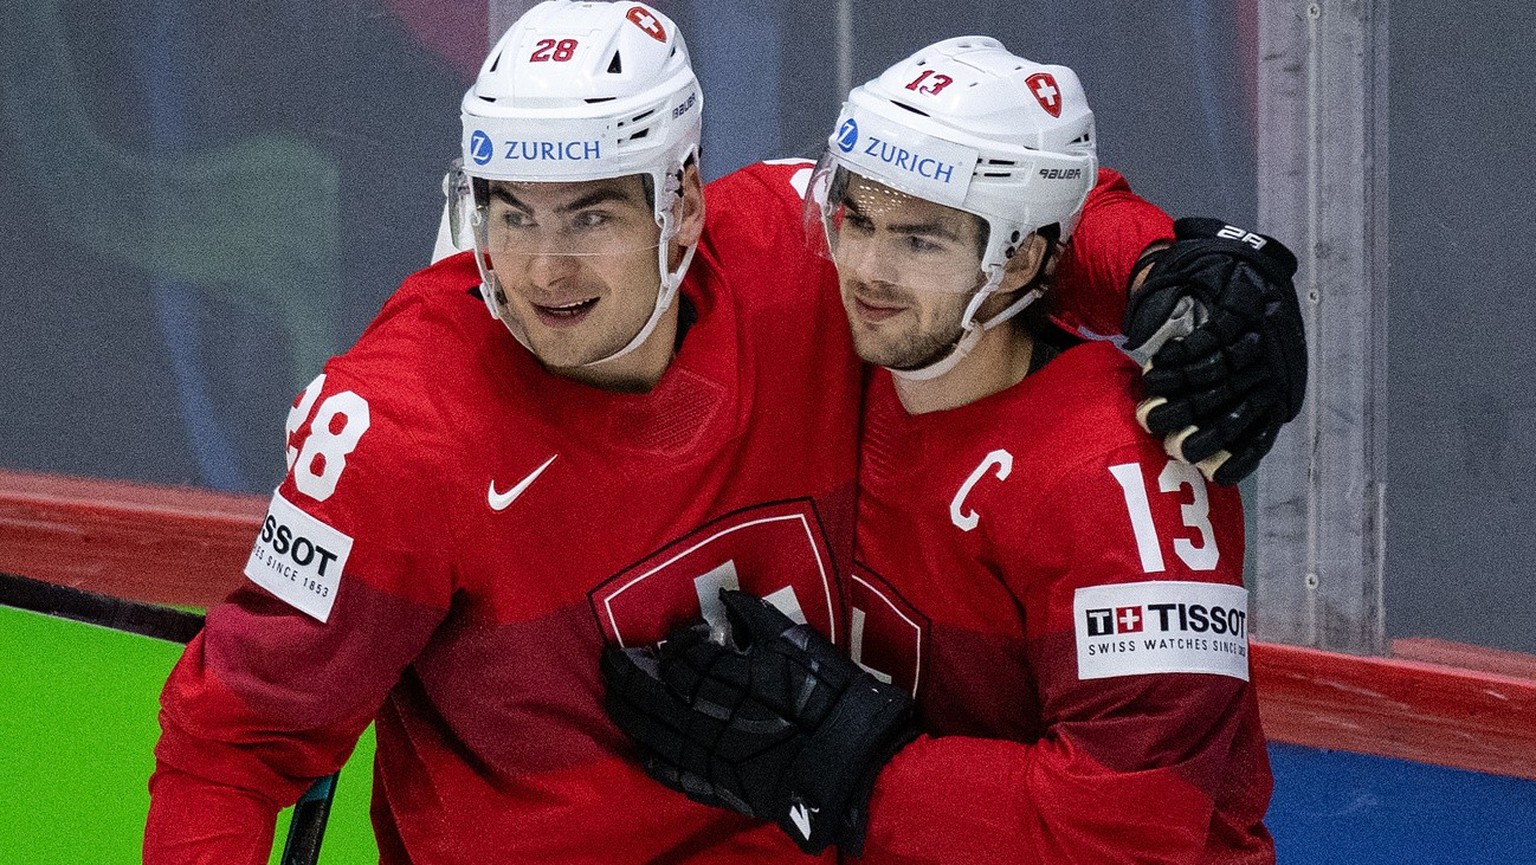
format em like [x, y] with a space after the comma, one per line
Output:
[1095, 272]
[756, 215]
[1130, 580]
[758, 211]
[348, 581]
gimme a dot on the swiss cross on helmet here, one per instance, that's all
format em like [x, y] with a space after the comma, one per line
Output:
[583, 91]
[647, 22]
[1045, 90]
[966, 124]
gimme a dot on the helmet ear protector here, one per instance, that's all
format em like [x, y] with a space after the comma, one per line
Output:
[577, 92]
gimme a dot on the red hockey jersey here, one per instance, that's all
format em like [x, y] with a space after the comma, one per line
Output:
[471, 528]
[1091, 281]
[1066, 603]
[460, 531]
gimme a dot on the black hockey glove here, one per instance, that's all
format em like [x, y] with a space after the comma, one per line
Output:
[1218, 330]
[776, 724]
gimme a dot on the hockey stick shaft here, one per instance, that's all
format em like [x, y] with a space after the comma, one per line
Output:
[307, 828]
[118, 614]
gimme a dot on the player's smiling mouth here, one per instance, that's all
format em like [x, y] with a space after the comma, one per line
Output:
[876, 309]
[565, 314]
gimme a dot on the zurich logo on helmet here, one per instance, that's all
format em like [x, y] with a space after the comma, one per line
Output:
[480, 148]
[848, 135]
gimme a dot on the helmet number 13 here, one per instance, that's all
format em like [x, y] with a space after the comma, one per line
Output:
[938, 82]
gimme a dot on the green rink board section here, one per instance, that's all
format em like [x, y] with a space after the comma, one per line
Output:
[77, 730]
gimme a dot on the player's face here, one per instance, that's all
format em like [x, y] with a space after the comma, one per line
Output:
[907, 268]
[577, 263]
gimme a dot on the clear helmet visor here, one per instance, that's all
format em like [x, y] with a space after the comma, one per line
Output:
[881, 236]
[910, 270]
[555, 254]
[518, 219]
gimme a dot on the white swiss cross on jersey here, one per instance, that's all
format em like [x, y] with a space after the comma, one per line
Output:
[1043, 86]
[775, 551]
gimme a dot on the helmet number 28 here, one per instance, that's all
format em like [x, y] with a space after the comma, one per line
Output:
[550, 49]
[333, 433]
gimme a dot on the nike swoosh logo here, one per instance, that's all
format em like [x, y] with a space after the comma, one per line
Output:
[500, 501]
[802, 820]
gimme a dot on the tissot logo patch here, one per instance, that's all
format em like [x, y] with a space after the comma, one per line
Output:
[298, 558]
[1161, 626]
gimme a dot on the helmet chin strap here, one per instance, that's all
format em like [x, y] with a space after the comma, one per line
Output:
[666, 293]
[671, 279]
[971, 331]
[666, 289]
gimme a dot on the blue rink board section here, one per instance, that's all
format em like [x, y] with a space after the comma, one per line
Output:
[1336, 808]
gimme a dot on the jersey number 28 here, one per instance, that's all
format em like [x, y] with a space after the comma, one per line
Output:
[333, 432]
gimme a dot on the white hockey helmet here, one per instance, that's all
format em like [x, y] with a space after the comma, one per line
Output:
[968, 125]
[580, 91]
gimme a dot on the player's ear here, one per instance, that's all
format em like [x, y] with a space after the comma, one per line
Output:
[690, 223]
[1027, 261]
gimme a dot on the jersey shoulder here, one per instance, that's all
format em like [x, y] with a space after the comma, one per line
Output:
[386, 412]
[1117, 226]
[1080, 405]
[433, 324]
[757, 208]
[755, 245]
[1104, 501]
[441, 296]
[1071, 422]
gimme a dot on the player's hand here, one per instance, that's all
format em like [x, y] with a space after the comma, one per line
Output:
[1218, 331]
[776, 724]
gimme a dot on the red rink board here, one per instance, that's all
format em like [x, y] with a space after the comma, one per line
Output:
[165, 545]
[1437, 702]
[1433, 701]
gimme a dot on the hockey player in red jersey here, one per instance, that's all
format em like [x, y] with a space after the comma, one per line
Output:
[1063, 599]
[569, 436]
[632, 394]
